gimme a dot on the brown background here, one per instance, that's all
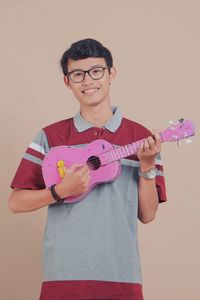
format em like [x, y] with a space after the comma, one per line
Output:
[156, 46]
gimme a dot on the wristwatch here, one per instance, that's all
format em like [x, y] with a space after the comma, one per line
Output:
[151, 174]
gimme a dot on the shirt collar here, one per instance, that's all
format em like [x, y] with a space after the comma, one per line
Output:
[112, 125]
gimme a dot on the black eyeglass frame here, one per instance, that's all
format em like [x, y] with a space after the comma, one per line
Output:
[88, 72]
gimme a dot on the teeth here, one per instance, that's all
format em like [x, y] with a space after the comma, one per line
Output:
[90, 91]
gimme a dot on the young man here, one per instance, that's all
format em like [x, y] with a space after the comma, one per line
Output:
[91, 247]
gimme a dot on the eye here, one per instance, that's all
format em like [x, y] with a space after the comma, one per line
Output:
[77, 74]
[97, 71]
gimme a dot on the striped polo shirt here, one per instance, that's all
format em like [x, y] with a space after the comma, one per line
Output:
[91, 247]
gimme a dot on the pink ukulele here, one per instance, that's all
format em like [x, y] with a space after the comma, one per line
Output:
[102, 158]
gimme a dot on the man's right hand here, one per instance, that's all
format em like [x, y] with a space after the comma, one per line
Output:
[75, 182]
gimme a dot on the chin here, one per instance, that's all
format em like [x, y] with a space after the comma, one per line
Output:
[92, 102]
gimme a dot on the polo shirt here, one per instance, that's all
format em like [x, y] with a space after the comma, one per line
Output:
[91, 247]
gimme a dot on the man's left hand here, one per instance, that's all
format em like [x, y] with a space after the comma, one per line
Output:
[148, 151]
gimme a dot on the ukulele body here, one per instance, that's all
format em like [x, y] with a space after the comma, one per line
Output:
[70, 156]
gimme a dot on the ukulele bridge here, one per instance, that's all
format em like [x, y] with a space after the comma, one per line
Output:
[61, 168]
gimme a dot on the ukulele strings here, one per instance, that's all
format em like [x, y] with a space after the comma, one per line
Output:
[95, 160]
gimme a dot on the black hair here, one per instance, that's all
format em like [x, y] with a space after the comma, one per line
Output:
[83, 49]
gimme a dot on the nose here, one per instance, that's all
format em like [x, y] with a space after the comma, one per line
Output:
[87, 79]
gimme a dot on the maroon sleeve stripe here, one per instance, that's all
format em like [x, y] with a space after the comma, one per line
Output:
[35, 153]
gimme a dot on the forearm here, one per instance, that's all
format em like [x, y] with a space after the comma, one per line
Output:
[74, 183]
[147, 195]
[23, 200]
[147, 200]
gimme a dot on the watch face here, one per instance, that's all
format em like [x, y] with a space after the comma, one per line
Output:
[152, 174]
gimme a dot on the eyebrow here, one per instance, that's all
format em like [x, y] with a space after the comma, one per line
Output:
[95, 66]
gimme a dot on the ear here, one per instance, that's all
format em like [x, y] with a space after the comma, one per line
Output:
[113, 73]
[66, 81]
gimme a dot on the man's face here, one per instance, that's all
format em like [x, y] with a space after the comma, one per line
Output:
[89, 92]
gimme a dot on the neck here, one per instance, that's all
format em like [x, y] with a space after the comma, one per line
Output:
[98, 115]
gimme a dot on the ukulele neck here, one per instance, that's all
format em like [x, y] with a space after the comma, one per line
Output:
[123, 151]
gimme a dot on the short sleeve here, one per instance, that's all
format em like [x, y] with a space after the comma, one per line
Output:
[29, 172]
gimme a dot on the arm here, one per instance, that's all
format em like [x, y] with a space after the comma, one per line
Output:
[147, 195]
[74, 183]
[24, 200]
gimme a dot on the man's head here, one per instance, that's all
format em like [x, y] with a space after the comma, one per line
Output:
[84, 49]
[88, 72]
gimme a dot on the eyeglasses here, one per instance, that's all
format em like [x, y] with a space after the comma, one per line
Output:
[95, 73]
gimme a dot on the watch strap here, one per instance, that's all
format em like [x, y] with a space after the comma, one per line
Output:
[151, 174]
[55, 195]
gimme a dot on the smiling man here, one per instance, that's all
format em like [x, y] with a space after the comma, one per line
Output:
[91, 247]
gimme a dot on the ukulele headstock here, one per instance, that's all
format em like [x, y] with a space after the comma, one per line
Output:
[183, 129]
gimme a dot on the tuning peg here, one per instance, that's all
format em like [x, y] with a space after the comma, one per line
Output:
[188, 141]
[179, 143]
[171, 122]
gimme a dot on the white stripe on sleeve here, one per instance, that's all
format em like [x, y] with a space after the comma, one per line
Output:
[37, 147]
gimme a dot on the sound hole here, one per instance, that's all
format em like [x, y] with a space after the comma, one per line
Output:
[94, 162]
